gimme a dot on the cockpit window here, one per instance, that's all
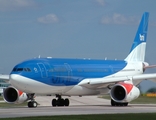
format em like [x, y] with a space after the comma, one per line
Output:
[21, 69]
[25, 69]
[14, 69]
[28, 69]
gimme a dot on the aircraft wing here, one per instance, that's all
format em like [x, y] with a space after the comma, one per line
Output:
[4, 77]
[99, 82]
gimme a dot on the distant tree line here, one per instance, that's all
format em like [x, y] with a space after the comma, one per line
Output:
[151, 90]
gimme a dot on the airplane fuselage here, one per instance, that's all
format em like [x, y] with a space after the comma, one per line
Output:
[62, 76]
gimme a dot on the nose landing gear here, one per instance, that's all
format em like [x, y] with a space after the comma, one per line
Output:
[32, 103]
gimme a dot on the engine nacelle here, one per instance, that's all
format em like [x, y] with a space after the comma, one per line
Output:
[12, 95]
[124, 92]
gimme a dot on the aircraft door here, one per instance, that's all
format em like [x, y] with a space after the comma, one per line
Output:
[69, 70]
[111, 69]
[42, 70]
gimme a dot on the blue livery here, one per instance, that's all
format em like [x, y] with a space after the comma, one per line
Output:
[141, 34]
[60, 72]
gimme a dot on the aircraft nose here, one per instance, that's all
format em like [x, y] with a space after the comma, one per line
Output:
[14, 79]
[19, 82]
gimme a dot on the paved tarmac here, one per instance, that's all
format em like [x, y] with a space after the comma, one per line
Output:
[78, 105]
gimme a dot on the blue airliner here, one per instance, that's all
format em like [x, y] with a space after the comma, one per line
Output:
[80, 77]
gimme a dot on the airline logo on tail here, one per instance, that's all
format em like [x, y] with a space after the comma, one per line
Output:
[141, 37]
[137, 52]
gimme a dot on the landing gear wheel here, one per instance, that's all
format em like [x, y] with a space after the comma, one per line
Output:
[32, 104]
[29, 104]
[125, 104]
[60, 101]
[66, 102]
[54, 102]
[113, 103]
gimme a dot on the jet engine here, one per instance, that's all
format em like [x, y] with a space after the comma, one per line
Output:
[12, 95]
[124, 92]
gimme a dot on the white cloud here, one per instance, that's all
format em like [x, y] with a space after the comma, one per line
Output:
[50, 18]
[101, 2]
[6, 5]
[118, 19]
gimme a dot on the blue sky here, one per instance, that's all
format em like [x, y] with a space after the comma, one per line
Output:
[72, 29]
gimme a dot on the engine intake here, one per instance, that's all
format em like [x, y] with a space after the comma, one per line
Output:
[119, 93]
[12, 95]
[124, 92]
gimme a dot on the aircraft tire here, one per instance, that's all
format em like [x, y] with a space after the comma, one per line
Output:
[60, 102]
[32, 104]
[66, 102]
[125, 104]
[113, 103]
[54, 102]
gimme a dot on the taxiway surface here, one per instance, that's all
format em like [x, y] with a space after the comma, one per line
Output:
[83, 105]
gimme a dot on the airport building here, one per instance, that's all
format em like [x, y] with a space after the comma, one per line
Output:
[3, 85]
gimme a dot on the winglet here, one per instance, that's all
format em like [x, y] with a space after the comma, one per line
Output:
[137, 52]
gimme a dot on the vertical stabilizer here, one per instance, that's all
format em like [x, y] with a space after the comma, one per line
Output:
[137, 52]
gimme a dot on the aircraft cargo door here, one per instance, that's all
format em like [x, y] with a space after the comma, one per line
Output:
[42, 69]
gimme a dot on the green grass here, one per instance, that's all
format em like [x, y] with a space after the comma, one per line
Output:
[1, 98]
[141, 116]
[6, 105]
[140, 100]
[144, 100]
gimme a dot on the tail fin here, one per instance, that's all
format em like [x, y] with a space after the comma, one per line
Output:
[137, 52]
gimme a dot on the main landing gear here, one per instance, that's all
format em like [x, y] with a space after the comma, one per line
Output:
[32, 103]
[113, 103]
[60, 101]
